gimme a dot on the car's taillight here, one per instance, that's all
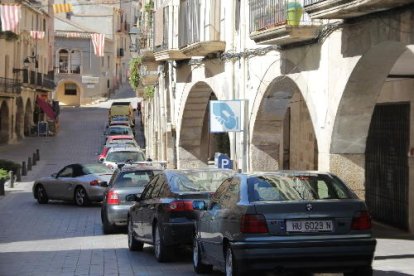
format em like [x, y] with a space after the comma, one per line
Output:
[112, 198]
[253, 224]
[94, 183]
[361, 221]
[180, 205]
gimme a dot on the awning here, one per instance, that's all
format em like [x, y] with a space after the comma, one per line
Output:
[46, 107]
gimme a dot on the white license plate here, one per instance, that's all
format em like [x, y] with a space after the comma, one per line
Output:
[304, 226]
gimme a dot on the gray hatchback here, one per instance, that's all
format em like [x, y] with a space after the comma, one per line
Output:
[289, 220]
[129, 179]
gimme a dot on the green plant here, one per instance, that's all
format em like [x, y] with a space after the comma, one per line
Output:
[134, 76]
[149, 92]
[8, 35]
[6, 166]
[4, 174]
[149, 6]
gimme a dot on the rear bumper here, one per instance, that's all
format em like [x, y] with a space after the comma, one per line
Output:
[96, 193]
[321, 256]
[117, 214]
[180, 233]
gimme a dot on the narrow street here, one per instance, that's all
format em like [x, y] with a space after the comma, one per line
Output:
[61, 239]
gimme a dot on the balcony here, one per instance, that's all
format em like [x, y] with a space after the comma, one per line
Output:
[342, 9]
[149, 74]
[10, 87]
[35, 80]
[281, 22]
[199, 33]
[165, 35]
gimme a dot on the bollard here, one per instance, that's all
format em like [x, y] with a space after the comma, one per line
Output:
[18, 175]
[34, 159]
[24, 169]
[2, 180]
[29, 164]
[37, 155]
[11, 177]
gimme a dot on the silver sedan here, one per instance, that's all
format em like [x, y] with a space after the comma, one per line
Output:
[81, 183]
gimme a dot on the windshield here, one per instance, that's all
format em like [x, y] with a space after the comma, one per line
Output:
[198, 181]
[96, 168]
[286, 187]
[135, 178]
[123, 156]
[119, 131]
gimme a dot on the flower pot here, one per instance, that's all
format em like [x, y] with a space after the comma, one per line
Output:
[294, 13]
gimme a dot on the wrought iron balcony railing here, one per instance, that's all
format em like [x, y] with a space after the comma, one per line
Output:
[10, 86]
[266, 14]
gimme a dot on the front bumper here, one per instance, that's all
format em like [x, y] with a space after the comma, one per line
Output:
[322, 256]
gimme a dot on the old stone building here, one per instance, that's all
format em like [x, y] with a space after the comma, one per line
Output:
[327, 85]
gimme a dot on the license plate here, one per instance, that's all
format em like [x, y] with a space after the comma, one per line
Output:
[305, 226]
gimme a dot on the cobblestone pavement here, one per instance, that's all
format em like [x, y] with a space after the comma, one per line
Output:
[62, 239]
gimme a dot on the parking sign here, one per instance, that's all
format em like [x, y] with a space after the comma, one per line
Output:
[225, 116]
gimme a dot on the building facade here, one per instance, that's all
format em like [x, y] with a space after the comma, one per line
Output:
[26, 70]
[327, 86]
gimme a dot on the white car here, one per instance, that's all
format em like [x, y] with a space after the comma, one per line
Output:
[122, 155]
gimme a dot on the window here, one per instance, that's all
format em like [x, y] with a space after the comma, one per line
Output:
[75, 62]
[66, 172]
[70, 89]
[148, 189]
[216, 200]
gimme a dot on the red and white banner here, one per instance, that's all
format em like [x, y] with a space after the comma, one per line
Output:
[10, 17]
[98, 41]
[37, 34]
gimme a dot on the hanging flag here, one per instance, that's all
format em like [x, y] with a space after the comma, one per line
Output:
[60, 8]
[10, 17]
[98, 41]
[37, 34]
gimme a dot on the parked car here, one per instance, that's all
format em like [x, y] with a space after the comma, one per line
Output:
[129, 179]
[293, 220]
[163, 214]
[120, 118]
[119, 130]
[116, 143]
[112, 138]
[81, 183]
[122, 108]
[122, 155]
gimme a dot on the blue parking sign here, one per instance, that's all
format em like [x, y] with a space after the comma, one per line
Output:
[223, 161]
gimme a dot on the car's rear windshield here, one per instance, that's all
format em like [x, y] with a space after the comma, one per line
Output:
[135, 178]
[123, 156]
[198, 181]
[119, 131]
[296, 187]
[96, 168]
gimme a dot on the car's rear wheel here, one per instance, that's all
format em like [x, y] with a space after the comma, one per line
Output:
[133, 244]
[161, 251]
[199, 267]
[361, 271]
[231, 266]
[41, 194]
[107, 227]
[81, 197]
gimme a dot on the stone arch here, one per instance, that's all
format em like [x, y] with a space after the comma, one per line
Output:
[68, 99]
[28, 117]
[282, 134]
[19, 127]
[196, 145]
[358, 100]
[4, 123]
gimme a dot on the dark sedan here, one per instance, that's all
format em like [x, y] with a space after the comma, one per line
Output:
[163, 215]
[304, 221]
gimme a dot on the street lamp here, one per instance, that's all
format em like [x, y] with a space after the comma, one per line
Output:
[133, 34]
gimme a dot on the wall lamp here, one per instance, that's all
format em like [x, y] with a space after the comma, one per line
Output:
[26, 64]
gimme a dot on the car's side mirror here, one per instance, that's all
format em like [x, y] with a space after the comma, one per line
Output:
[199, 205]
[104, 184]
[132, 197]
[101, 159]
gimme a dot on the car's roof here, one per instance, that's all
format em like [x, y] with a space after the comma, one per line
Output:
[286, 172]
[136, 167]
[126, 137]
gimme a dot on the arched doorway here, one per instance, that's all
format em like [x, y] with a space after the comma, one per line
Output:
[4, 123]
[19, 127]
[28, 118]
[371, 134]
[283, 136]
[197, 145]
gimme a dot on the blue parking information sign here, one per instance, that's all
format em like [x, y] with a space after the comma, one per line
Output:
[225, 116]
